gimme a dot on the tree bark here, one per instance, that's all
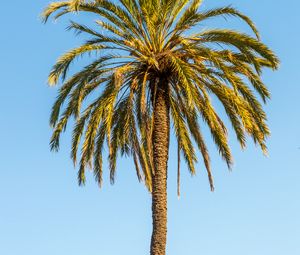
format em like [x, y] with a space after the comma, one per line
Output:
[160, 139]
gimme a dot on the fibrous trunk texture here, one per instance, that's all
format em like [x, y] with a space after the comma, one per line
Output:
[160, 141]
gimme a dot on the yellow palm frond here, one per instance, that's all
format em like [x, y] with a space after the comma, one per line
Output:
[138, 48]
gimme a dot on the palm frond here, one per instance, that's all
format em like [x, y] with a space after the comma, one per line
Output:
[140, 47]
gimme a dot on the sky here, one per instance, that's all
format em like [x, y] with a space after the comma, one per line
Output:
[254, 210]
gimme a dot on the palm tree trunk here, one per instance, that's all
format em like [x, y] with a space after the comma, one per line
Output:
[161, 130]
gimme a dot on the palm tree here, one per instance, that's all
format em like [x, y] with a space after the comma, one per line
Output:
[154, 64]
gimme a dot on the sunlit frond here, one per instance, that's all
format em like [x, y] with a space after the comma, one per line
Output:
[139, 47]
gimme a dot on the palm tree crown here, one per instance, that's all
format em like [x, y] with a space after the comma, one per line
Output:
[149, 45]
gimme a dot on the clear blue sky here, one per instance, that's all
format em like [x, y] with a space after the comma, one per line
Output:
[254, 211]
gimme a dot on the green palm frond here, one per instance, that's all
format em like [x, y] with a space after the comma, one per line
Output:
[138, 46]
